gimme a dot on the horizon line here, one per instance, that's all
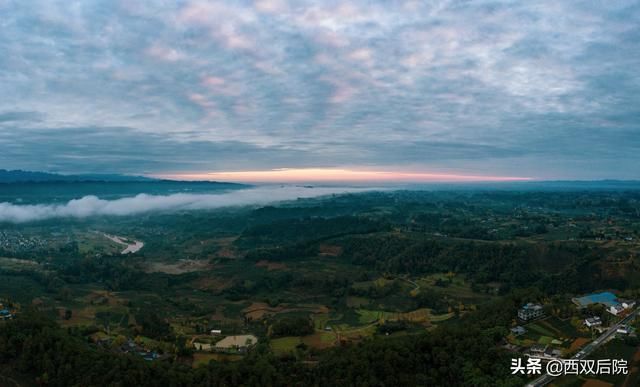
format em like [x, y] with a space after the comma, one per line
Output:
[335, 175]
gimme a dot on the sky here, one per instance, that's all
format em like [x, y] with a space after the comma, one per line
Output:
[424, 90]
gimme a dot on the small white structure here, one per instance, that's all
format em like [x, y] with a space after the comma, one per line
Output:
[518, 330]
[624, 330]
[593, 322]
[216, 331]
[616, 309]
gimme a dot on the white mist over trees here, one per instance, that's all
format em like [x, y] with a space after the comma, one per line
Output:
[93, 206]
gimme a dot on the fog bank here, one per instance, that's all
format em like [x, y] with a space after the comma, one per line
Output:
[93, 206]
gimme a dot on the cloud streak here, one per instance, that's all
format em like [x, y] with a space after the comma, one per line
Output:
[89, 206]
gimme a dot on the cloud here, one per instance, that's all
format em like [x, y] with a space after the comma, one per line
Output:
[7, 117]
[89, 206]
[165, 53]
[372, 82]
[105, 149]
[271, 6]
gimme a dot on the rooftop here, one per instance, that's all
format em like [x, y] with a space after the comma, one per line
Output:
[532, 306]
[538, 348]
[606, 298]
[237, 341]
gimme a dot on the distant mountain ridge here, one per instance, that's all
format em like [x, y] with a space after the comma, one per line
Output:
[24, 187]
[20, 176]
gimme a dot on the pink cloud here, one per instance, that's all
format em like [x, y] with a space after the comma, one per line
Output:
[231, 38]
[271, 6]
[223, 21]
[213, 81]
[222, 86]
[342, 91]
[209, 107]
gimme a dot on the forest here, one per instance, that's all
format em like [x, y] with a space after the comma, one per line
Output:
[379, 288]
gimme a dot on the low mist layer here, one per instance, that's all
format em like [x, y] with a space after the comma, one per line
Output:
[93, 206]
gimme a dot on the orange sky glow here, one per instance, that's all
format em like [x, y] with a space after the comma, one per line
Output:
[309, 175]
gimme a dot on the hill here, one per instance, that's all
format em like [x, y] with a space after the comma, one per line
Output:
[20, 176]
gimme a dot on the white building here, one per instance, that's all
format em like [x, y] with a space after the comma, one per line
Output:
[530, 311]
[593, 322]
[616, 309]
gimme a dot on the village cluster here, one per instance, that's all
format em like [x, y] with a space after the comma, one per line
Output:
[17, 242]
[215, 342]
[603, 317]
